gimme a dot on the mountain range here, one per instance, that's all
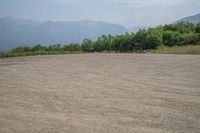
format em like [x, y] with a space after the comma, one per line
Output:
[21, 32]
[192, 19]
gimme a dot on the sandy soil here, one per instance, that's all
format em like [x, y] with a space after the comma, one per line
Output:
[100, 93]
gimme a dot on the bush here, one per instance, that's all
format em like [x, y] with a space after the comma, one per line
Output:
[38, 47]
[139, 39]
[88, 45]
[170, 38]
[191, 38]
[187, 49]
[2, 54]
[197, 28]
[20, 50]
[56, 47]
[182, 27]
[153, 39]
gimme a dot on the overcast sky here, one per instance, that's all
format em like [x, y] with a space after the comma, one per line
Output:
[128, 13]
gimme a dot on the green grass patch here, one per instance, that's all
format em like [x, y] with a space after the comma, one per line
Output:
[2, 55]
[18, 54]
[187, 49]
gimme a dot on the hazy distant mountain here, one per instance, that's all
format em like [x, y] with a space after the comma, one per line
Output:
[192, 19]
[20, 32]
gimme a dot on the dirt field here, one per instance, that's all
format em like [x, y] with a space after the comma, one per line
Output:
[100, 93]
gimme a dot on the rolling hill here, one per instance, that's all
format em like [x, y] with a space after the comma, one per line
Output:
[192, 19]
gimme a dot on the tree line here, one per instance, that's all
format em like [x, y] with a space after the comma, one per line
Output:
[178, 34]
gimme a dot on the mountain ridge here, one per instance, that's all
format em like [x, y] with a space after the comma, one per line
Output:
[21, 32]
[192, 19]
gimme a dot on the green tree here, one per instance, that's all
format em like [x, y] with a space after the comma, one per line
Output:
[139, 39]
[153, 38]
[190, 38]
[126, 42]
[2, 54]
[170, 38]
[100, 44]
[20, 50]
[182, 27]
[38, 47]
[197, 28]
[115, 44]
[56, 47]
[88, 45]
[72, 47]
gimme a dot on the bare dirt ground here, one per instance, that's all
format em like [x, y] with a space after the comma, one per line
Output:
[100, 93]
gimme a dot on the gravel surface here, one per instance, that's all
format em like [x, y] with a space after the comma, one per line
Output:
[100, 93]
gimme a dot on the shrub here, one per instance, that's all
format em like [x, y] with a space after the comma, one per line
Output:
[88, 45]
[170, 38]
[191, 38]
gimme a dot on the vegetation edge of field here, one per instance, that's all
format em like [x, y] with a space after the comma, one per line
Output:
[171, 38]
[187, 49]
